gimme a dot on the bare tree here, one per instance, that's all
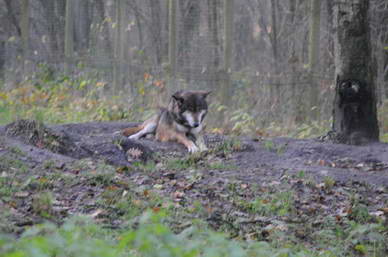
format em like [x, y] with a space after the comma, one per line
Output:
[172, 43]
[12, 16]
[69, 35]
[83, 20]
[105, 33]
[156, 29]
[315, 19]
[213, 7]
[190, 20]
[2, 53]
[228, 48]
[25, 28]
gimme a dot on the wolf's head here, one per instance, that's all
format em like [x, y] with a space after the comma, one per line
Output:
[189, 107]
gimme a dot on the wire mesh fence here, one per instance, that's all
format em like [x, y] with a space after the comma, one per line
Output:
[127, 45]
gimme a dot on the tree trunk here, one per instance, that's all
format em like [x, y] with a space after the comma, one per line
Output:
[172, 44]
[315, 20]
[105, 33]
[117, 48]
[12, 17]
[82, 26]
[51, 21]
[228, 45]
[156, 30]
[190, 19]
[69, 35]
[213, 30]
[25, 29]
[354, 114]
[274, 87]
[2, 56]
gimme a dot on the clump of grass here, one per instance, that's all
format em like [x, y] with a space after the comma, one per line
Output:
[279, 203]
[42, 204]
[147, 167]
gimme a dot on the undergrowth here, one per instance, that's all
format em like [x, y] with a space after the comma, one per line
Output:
[55, 98]
[81, 237]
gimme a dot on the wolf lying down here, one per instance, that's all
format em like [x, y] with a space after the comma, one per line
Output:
[181, 122]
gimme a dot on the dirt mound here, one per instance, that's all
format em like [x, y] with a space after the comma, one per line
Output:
[78, 141]
[102, 141]
[35, 133]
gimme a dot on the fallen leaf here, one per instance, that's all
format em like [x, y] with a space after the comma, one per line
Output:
[156, 209]
[146, 193]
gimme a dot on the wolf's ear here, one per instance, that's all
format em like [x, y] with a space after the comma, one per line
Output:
[177, 96]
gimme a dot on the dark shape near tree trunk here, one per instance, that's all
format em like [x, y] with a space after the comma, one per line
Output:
[354, 114]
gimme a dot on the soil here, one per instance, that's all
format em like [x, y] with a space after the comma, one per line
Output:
[102, 140]
[226, 180]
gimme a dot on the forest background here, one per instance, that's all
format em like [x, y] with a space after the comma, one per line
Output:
[270, 64]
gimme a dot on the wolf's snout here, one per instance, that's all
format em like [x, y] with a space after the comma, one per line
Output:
[196, 124]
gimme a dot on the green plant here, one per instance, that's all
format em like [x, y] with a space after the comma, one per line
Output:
[301, 174]
[189, 162]
[329, 182]
[228, 146]
[280, 203]
[42, 204]
[270, 146]
[148, 167]
[220, 166]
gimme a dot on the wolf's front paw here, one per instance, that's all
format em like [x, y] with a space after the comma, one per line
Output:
[193, 148]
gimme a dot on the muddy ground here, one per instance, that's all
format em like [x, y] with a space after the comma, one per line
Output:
[89, 168]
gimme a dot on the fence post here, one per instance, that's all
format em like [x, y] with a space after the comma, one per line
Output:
[69, 35]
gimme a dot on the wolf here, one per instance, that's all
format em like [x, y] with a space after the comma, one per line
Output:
[181, 121]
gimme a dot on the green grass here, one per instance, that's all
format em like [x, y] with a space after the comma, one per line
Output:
[81, 237]
[279, 203]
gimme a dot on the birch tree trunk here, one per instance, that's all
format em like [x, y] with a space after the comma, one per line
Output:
[354, 115]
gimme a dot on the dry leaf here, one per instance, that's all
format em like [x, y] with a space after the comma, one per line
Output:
[156, 209]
